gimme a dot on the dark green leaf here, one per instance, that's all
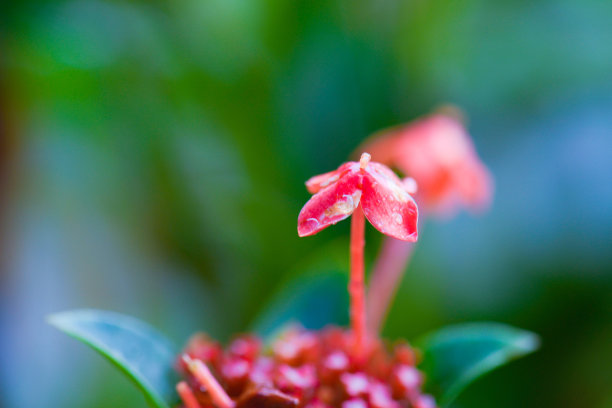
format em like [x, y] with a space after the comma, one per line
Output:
[457, 355]
[314, 301]
[143, 354]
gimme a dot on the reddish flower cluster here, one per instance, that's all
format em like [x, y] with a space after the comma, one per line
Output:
[302, 369]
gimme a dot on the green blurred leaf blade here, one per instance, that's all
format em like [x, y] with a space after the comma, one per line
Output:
[455, 356]
[137, 349]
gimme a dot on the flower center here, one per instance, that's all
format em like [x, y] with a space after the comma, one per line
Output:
[364, 160]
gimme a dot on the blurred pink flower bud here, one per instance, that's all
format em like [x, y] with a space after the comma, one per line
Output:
[439, 154]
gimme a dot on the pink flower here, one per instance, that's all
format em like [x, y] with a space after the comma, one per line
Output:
[380, 193]
[439, 154]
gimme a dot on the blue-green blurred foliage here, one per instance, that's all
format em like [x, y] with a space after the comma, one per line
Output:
[153, 158]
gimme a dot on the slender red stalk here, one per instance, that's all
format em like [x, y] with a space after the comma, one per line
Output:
[385, 280]
[187, 395]
[356, 286]
[201, 372]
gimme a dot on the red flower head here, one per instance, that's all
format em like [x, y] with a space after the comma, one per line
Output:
[438, 153]
[381, 194]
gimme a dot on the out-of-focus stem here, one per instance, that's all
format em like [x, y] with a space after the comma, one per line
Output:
[187, 395]
[356, 286]
[201, 372]
[385, 280]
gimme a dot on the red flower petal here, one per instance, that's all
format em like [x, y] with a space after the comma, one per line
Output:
[475, 185]
[330, 205]
[387, 205]
[318, 183]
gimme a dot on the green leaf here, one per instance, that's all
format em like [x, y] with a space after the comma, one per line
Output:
[313, 300]
[457, 355]
[137, 349]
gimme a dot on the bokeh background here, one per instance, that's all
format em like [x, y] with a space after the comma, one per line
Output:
[153, 153]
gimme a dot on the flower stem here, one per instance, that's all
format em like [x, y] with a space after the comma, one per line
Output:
[201, 372]
[356, 286]
[187, 396]
[385, 279]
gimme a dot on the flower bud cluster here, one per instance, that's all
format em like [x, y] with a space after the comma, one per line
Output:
[309, 369]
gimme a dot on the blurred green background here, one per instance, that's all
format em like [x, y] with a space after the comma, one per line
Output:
[152, 159]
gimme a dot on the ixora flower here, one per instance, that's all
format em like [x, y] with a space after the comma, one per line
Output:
[331, 367]
[438, 153]
[355, 187]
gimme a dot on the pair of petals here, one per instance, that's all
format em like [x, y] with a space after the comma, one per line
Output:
[381, 194]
